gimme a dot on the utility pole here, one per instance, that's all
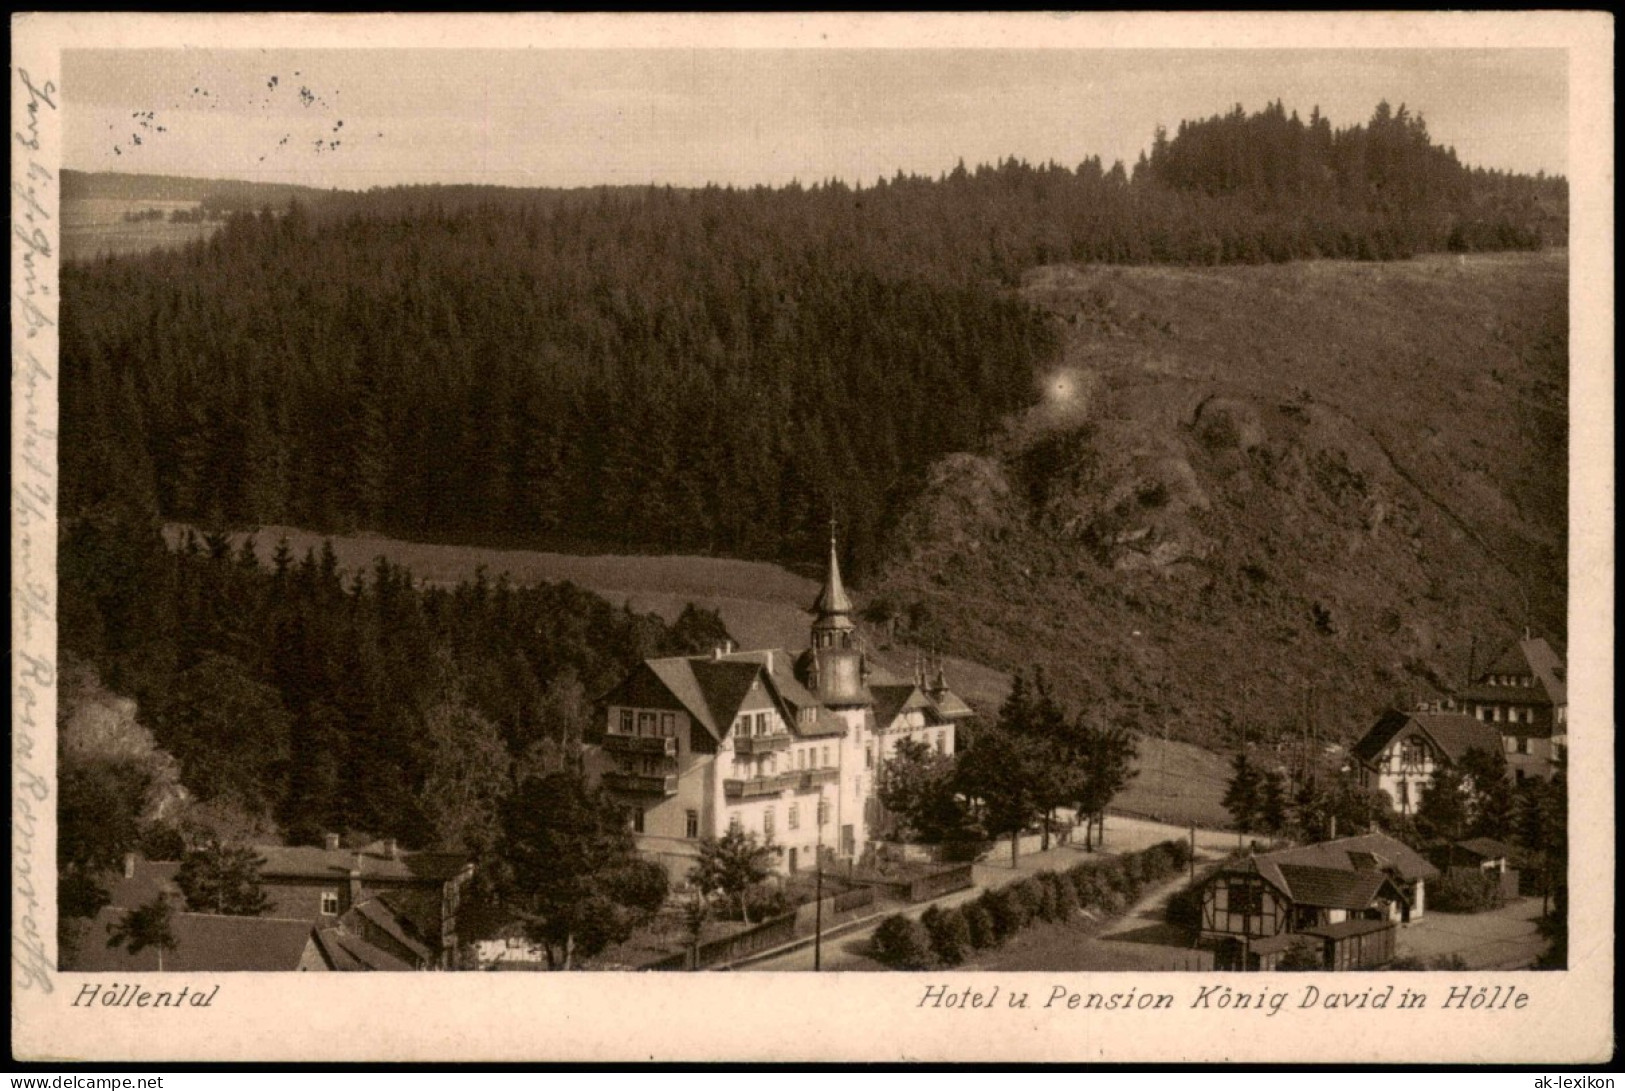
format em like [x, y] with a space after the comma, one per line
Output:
[818, 891]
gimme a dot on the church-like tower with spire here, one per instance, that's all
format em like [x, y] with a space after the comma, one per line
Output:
[789, 749]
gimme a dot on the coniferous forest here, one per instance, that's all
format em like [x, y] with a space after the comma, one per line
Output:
[706, 370]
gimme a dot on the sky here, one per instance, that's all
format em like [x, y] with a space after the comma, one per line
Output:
[355, 118]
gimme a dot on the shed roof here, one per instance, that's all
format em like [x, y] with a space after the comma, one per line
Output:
[1345, 929]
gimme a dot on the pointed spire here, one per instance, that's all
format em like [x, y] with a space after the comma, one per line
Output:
[832, 599]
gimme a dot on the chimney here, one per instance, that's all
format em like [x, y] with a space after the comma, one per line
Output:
[392, 848]
[1333, 836]
[716, 652]
[330, 841]
[355, 880]
[770, 662]
[129, 865]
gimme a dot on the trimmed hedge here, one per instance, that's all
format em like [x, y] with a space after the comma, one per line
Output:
[949, 934]
[901, 943]
[980, 925]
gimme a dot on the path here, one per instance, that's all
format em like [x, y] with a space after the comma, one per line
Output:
[849, 951]
[1502, 939]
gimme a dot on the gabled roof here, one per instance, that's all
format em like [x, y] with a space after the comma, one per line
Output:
[724, 685]
[373, 861]
[344, 950]
[205, 943]
[949, 705]
[1333, 888]
[1361, 852]
[1530, 656]
[1452, 733]
[1486, 848]
[383, 916]
[891, 701]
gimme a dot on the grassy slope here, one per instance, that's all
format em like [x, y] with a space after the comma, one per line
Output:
[763, 605]
[1409, 479]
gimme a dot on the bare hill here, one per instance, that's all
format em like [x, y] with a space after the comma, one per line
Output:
[1252, 490]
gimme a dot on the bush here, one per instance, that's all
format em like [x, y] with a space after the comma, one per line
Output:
[1066, 897]
[1008, 910]
[1030, 892]
[1178, 853]
[979, 925]
[1304, 954]
[901, 943]
[1091, 886]
[1185, 908]
[1044, 885]
[1406, 962]
[949, 934]
[1452, 961]
[1462, 892]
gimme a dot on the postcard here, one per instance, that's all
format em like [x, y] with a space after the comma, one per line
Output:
[826, 537]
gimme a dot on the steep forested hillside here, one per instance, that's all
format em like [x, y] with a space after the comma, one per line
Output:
[708, 371]
[1273, 499]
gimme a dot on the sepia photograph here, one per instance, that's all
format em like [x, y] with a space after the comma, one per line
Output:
[934, 514]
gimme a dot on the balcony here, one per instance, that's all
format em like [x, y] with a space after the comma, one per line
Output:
[641, 784]
[758, 786]
[813, 778]
[761, 744]
[640, 744]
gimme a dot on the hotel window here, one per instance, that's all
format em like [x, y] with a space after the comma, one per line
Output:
[646, 723]
[626, 721]
[793, 819]
[330, 903]
[801, 759]
[691, 824]
[761, 723]
[637, 820]
[734, 825]
[668, 724]
[1523, 744]
[942, 742]
[826, 757]
[869, 756]
[767, 824]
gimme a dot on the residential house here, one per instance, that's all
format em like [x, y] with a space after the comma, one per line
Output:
[784, 747]
[376, 908]
[1402, 750]
[417, 893]
[1346, 896]
[1523, 694]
